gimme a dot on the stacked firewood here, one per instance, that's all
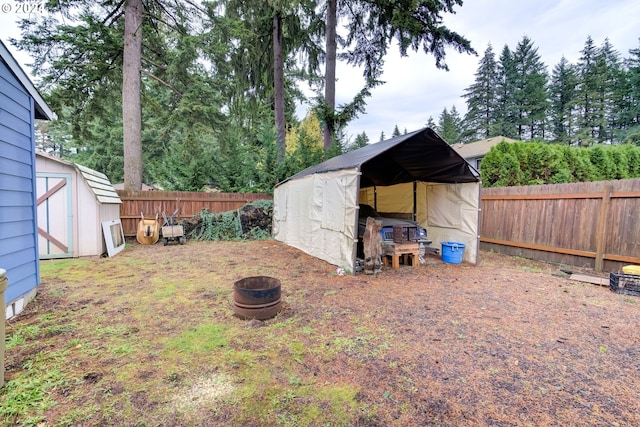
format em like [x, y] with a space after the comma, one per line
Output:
[252, 221]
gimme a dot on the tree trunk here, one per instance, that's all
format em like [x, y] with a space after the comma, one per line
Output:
[131, 108]
[330, 72]
[278, 83]
[372, 246]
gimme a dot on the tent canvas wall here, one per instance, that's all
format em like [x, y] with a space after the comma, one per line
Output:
[417, 174]
[73, 202]
[20, 106]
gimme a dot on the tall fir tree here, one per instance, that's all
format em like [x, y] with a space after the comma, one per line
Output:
[610, 75]
[631, 111]
[481, 98]
[505, 94]
[562, 98]
[449, 125]
[530, 96]
[586, 101]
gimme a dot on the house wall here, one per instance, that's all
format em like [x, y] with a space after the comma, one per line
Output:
[18, 241]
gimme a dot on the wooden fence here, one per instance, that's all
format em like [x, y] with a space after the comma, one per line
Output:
[188, 204]
[594, 225]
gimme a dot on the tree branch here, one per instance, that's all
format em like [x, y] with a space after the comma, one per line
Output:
[161, 81]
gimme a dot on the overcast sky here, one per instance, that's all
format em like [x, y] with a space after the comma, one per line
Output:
[415, 89]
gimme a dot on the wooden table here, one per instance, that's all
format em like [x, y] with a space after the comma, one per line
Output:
[395, 250]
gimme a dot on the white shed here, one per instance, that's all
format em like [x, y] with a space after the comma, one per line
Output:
[73, 202]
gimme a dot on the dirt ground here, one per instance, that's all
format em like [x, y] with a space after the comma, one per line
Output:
[509, 342]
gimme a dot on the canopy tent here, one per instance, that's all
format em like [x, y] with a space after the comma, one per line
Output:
[418, 175]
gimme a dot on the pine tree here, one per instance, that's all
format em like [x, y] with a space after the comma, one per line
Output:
[482, 103]
[507, 123]
[631, 112]
[530, 96]
[587, 94]
[609, 78]
[449, 127]
[396, 132]
[372, 27]
[562, 98]
[360, 141]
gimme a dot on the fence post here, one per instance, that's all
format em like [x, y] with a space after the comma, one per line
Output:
[3, 287]
[601, 232]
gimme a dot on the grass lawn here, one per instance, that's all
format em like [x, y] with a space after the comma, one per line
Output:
[149, 338]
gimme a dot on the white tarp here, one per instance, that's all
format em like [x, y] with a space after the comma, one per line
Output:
[317, 214]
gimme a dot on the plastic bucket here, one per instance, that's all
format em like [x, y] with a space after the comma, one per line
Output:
[452, 252]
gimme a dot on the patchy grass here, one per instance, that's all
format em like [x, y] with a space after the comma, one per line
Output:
[149, 338]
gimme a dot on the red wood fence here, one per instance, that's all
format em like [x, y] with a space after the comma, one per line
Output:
[594, 224]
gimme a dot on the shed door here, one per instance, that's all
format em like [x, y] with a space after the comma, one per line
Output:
[55, 215]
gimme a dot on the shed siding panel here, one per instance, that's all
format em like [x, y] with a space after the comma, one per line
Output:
[18, 250]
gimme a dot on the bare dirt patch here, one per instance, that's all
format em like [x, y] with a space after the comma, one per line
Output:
[141, 336]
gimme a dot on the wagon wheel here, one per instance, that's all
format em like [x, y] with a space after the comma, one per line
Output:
[165, 241]
[181, 240]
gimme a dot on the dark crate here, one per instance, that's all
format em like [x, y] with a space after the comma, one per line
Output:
[404, 234]
[628, 284]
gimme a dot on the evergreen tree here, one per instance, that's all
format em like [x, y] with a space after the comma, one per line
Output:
[530, 95]
[361, 140]
[449, 125]
[610, 77]
[396, 132]
[587, 94]
[482, 103]
[373, 26]
[629, 112]
[631, 109]
[562, 98]
[507, 108]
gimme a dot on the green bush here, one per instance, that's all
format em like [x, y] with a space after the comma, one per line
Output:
[534, 163]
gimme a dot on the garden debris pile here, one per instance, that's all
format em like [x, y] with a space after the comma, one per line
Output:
[251, 222]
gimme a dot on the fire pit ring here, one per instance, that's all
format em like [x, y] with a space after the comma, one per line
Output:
[257, 297]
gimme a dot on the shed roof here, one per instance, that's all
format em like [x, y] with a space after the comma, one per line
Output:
[43, 111]
[479, 148]
[98, 182]
[417, 156]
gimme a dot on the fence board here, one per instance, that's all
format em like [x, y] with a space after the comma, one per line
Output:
[188, 204]
[584, 224]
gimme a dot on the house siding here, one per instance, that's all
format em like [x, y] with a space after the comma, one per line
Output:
[18, 228]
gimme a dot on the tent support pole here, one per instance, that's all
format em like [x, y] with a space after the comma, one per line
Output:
[375, 197]
[415, 201]
[354, 253]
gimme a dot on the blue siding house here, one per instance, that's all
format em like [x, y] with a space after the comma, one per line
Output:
[20, 105]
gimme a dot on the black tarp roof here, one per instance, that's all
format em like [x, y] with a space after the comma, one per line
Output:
[417, 156]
